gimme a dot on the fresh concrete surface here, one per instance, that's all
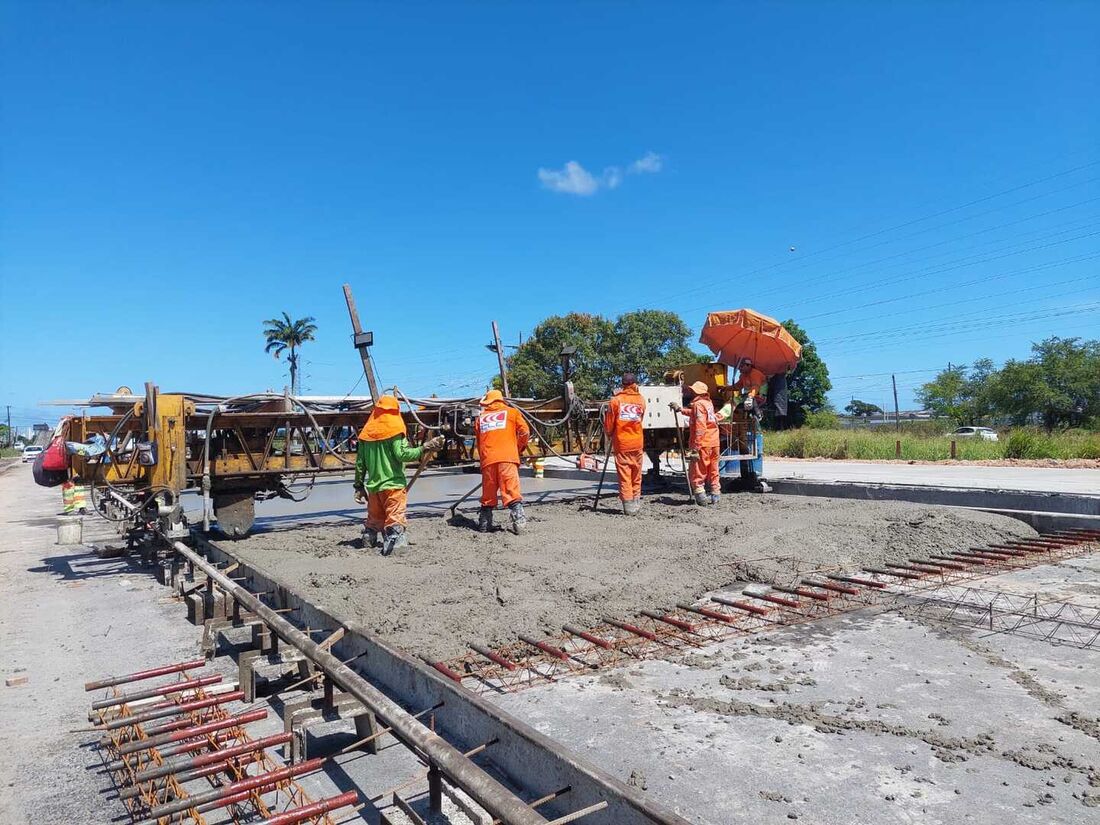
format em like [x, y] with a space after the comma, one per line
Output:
[867, 717]
[1040, 479]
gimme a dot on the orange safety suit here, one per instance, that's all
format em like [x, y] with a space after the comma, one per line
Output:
[622, 421]
[501, 435]
[703, 471]
[750, 381]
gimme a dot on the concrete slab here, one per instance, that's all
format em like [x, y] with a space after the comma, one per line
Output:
[1039, 479]
[871, 717]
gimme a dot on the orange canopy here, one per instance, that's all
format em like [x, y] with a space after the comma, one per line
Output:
[736, 334]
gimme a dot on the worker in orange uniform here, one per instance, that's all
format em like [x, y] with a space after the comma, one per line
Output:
[750, 379]
[622, 421]
[501, 435]
[381, 456]
[704, 446]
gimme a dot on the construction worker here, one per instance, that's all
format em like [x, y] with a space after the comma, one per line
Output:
[622, 422]
[750, 379]
[501, 435]
[383, 451]
[703, 446]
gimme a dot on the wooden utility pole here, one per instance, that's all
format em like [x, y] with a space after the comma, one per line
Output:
[363, 341]
[500, 361]
[897, 417]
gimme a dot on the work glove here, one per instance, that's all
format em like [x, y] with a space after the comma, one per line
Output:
[434, 444]
[360, 496]
[672, 405]
[692, 455]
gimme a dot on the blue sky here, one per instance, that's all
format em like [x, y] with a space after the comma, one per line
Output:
[174, 173]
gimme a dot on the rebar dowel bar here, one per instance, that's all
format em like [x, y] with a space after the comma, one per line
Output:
[442, 668]
[740, 605]
[580, 633]
[192, 732]
[679, 624]
[493, 656]
[629, 628]
[219, 795]
[459, 770]
[545, 647]
[141, 675]
[155, 786]
[573, 817]
[175, 710]
[314, 810]
[181, 765]
[182, 686]
[706, 611]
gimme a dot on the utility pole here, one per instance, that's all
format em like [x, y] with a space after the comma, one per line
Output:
[363, 342]
[897, 417]
[500, 360]
[566, 354]
[10, 440]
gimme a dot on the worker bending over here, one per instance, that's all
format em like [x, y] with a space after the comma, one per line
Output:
[501, 435]
[703, 446]
[622, 422]
[383, 451]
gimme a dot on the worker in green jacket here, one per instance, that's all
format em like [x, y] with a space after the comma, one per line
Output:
[380, 460]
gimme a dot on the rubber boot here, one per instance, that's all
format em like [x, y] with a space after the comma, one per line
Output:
[370, 538]
[632, 506]
[702, 499]
[519, 519]
[715, 498]
[626, 506]
[395, 539]
[485, 520]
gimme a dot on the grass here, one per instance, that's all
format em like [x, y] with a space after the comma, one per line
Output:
[873, 445]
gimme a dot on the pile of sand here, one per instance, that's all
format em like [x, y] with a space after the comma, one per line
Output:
[455, 585]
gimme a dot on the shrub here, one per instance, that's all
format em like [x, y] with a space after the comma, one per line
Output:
[822, 420]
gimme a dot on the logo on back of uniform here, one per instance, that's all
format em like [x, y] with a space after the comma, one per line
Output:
[630, 412]
[492, 421]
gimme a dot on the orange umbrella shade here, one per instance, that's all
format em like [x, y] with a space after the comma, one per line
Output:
[742, 333]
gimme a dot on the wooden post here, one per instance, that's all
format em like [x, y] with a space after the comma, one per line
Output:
[952, 448]
[897, 448]
[500, 361]
[364, 351]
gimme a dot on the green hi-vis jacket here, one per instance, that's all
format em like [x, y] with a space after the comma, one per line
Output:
[382, 463]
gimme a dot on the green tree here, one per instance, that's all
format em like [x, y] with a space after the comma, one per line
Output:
[948, 394]
[285, 335]
[808, 384]
[649, 343]
[1068, 391]
[535, 369]
[862, 409]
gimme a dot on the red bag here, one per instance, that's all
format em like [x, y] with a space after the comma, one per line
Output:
[55, 457]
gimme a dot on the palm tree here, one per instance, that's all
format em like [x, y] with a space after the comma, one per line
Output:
[284, 334]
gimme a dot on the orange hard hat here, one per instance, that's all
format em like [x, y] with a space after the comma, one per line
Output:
[491, 397]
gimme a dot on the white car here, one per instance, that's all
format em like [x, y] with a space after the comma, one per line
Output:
[30, 452]
[984, 433]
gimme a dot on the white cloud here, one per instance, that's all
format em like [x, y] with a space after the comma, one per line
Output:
[574, 179]
[650, 163]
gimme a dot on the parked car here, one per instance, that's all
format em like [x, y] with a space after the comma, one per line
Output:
[30, 452]
[984, 433]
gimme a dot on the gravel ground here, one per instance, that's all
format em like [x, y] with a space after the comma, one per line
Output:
[455, 585]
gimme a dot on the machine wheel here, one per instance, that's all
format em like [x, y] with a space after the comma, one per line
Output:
[235, 512]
